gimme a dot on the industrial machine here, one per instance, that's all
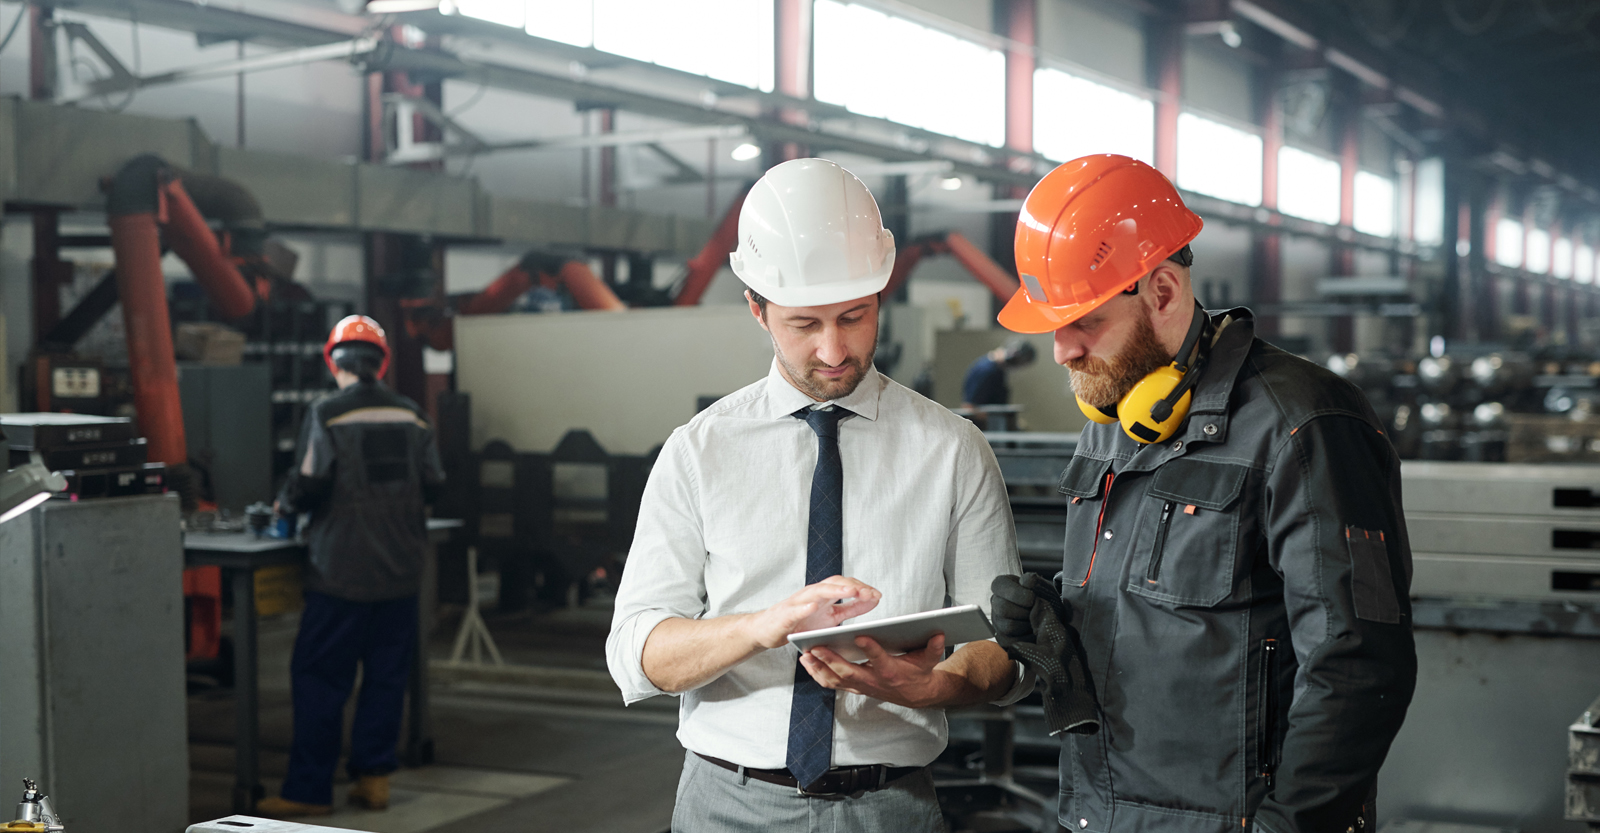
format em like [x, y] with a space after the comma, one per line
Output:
[1506, 616]
[92, 697]
[35, 813]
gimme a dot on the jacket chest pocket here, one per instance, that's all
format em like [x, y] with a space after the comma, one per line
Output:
[1188, 549]
[1085, 483]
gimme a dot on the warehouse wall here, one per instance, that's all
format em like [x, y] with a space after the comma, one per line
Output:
[627, 377]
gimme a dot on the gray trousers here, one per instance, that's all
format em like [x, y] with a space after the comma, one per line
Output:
[715, 800]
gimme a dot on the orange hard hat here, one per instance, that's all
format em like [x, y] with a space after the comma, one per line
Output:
[1089, 230]
[356, 328]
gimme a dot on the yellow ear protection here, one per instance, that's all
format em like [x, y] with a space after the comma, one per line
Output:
[1152, 411]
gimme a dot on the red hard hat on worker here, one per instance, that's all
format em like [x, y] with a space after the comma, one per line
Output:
[356, 328]
[1087, 232]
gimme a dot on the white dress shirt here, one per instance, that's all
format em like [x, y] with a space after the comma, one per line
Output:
[722, 530]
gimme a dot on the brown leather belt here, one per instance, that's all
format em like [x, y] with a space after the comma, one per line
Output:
[841, 780]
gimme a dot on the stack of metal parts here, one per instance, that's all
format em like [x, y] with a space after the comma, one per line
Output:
[1583, 768]
[99, 456]
[1496, 406]
[1506, 617]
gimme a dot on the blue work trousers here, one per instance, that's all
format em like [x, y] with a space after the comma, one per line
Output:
[335, 635]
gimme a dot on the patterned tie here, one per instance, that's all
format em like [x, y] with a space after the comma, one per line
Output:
[811, 711]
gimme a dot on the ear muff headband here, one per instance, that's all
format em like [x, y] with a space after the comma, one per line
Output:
[1152, 411]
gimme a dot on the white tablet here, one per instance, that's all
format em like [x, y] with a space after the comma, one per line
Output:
[900, 634]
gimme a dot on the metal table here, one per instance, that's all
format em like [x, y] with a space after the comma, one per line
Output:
[240, 554]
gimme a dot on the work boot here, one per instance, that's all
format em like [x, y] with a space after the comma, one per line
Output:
[371, 792]
[276, 807]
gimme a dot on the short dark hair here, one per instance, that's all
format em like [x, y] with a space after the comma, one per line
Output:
[358, 357]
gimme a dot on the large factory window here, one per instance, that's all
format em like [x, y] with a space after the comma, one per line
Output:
[1583, 264]
[1508, 239]
[1561, 266]
[1075, 117]
[1538, 261]
[1428, 219]
[1375, 206]
[1308, 185]
[1218, 160]
[668, 34]
[885, 66]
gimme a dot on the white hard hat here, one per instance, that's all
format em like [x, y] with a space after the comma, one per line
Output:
[810, 234]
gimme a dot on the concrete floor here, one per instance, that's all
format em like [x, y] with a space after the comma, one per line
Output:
[546, 748]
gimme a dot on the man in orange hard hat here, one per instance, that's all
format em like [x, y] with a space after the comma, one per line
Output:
[1234, 587]
[367, 463]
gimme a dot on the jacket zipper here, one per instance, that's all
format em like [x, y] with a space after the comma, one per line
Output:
[1267, 747]
[1160, 548]
[1105, 499]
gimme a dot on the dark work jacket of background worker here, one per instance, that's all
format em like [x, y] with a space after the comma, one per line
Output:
[367, 465]
[367, 462]
[1241, 591]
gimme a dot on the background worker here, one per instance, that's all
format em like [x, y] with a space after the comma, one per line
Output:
[1236, 562]
[367, 464]
[823, 482]
[985, 382]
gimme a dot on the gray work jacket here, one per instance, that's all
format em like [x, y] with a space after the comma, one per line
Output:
[367, 463]
[1241, 592]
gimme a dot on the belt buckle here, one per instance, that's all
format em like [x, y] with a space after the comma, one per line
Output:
[855, 780]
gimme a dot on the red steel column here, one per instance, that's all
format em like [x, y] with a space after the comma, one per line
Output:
[1017, 21]
[793, 69]
[1166, 42]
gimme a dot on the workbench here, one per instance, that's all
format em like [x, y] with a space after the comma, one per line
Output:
[239, 555]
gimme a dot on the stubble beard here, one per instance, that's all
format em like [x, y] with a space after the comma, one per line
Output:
[1102, 384]
[826, 390]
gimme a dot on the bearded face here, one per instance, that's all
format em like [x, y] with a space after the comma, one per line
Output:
[1103, 383]
[826, 383]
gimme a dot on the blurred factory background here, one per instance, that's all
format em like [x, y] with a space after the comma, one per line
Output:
[536, 199]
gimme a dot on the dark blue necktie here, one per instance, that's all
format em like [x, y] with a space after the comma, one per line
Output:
[811, 711]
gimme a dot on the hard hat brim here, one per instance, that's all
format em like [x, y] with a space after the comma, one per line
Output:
[822, 295]
[1022, 314]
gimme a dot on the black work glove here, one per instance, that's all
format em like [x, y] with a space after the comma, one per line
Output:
[1031, 622]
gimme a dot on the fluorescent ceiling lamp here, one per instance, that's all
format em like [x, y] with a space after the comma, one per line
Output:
[950, 183]
[1074, 117]
[1308, 185]
[1583, 264]
[1561, 267]
[1538, 260]
[745, 152]
[1219, 161]
[1508, 243]
[1428, 218]
[25, 487]
[1375, 206]
[888, 67]
[400, 6]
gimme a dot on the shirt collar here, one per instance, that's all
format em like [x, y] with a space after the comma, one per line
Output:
[783, 399]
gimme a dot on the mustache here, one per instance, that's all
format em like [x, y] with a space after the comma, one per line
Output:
[1089, 365]
[851, 362]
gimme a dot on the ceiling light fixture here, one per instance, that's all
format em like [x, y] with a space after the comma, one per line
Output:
[950, 183]
[745, 152]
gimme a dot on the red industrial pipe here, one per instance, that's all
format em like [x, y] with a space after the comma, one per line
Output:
[587, 289]
[982, 267]
[194, 243]
[136, 242]
[713, 255]
[500, 295]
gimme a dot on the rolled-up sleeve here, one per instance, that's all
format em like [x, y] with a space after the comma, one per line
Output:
[664, 577]
[983, 537]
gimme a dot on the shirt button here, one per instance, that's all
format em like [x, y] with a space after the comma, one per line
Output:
[1177, 445]
[1210, 429]
[1082, 823]
[1108, 535]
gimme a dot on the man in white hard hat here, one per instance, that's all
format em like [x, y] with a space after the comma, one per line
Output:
[821, 493]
